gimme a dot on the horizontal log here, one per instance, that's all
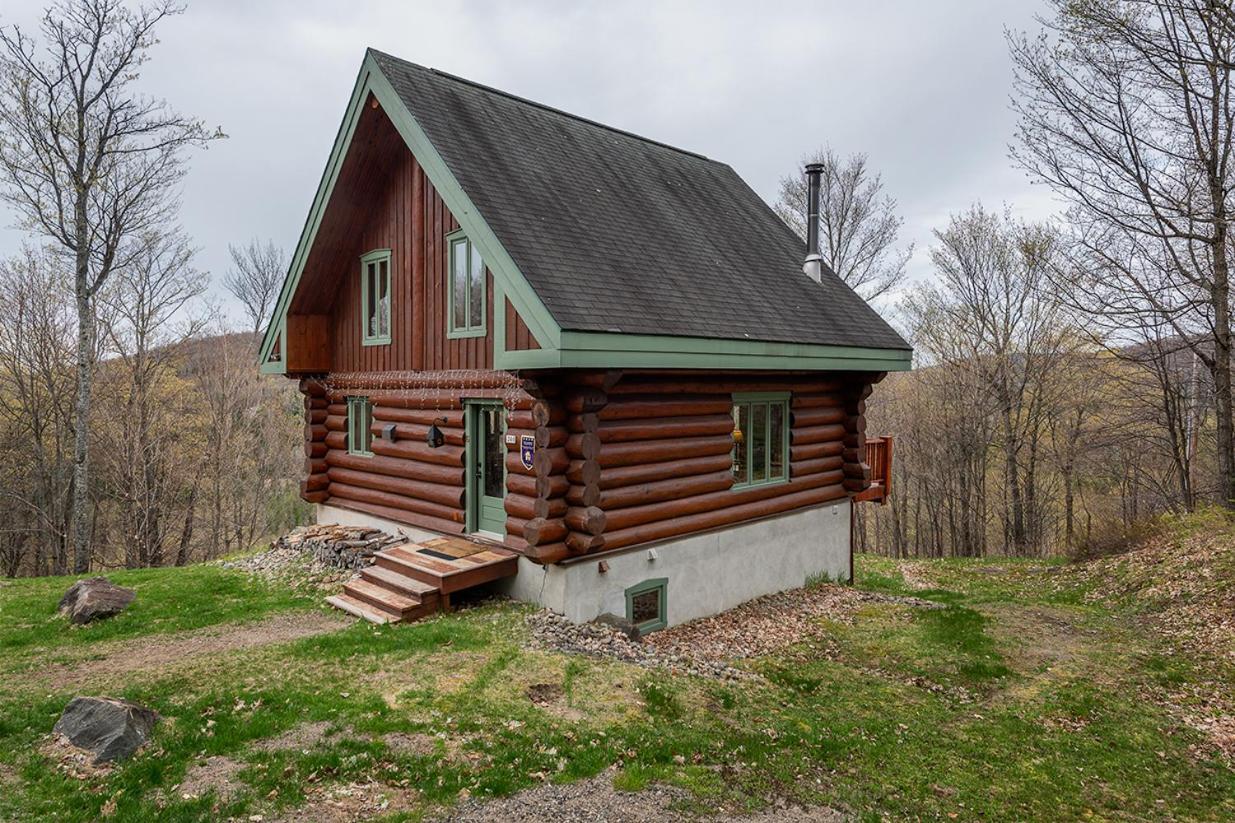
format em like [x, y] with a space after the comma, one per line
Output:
[582, 400]
[313, 496]
[416, 380]
[814, 451]
[547, 462]
[423, 521]
[315, 431]
[581, 543]
[541, 530]
[673, 488]
[583, 495]
[658, 451]
[397, 467]
[315, 483]
[315, 448]
[312, 387]
[451, 496]
[584, 446]
[578, 423]
[817, 434]
[545, 488]
[587, 519]
[672, 509]
[403, 431]
[533, 507]
[619, 476]
[583, 472]
[395, 501]
[725, 516]
[819, 416]
[635, 408]
[619, 431]
[315, 416]
[549, 553]
[804, 468]
[550, 437]
[722, 384]
[433, 399]
[816, 401]
[515, 467]
[545, 413]
[515, 526]
[311, 403]
[419, 451]
[315, 465]
[855, 484]
[418, 417]
[860, 470]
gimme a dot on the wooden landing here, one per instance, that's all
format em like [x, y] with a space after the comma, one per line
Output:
[416, 579]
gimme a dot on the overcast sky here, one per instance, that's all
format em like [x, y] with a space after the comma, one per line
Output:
[921, 87]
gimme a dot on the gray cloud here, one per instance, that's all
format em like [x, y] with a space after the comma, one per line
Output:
[922, 88]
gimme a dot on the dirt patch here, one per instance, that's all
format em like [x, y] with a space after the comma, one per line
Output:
[595, 800]
[115, 660]
[350, 802]
[214, 774]
[72, 761]
[542, 694]
[299, 738]
[416, 744]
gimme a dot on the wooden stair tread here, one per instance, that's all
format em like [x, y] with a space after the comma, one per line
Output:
[379, 597]
[358, 608]
[398, 583]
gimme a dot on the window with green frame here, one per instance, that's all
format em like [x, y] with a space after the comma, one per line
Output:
[760, 439]
[465, 288]
[359, 426]
[647, 603]
[375, 297]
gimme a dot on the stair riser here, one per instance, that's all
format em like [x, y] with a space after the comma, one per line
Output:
[375, 603]
[409, 570]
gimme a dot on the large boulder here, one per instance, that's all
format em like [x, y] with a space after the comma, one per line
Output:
[621, 624]
[95, 598]
[108, 728]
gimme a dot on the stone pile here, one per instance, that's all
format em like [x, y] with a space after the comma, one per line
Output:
[343, 547]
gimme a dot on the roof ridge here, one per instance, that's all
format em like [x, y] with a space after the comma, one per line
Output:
[547, 107]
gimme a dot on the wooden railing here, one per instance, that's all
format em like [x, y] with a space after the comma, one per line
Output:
[879, 461]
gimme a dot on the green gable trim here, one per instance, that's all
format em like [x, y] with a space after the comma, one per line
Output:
[370, 80]
[280, 336]
[611, 350]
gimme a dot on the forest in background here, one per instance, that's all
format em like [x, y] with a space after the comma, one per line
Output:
[1072, 378]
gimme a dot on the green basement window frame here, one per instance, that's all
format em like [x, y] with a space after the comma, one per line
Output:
[359, 426]
[375, 297]
[647, 603]
[760, 439]
[465, 288]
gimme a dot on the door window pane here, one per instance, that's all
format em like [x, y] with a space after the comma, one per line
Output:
[758, 442]
[776, 441]
[476, 290]
[495, 452]
[459, 283]
[741, 421]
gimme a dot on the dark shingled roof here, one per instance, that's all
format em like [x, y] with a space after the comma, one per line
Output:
[619, 233]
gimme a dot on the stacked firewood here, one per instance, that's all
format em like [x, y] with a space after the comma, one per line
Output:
[344, 547]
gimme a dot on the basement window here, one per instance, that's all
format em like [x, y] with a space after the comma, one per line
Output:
[375, 297]
[646, 604]
[465, 289]
[760, 439]
[359, 426]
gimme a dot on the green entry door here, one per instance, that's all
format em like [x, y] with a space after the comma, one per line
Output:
[486, 460]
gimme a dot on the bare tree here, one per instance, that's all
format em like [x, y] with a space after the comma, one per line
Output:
[1126, 109]
[255, 278]
[90, 164]
[858, 222]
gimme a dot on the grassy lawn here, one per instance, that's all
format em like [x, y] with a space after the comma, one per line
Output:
[1017, 700]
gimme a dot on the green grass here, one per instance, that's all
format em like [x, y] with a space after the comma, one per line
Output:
[1014, 700]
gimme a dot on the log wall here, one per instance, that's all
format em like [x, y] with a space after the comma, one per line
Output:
[620, 459]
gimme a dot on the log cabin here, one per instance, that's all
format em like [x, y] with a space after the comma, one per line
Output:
[590, 368]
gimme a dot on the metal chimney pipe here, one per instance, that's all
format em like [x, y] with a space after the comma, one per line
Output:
[814, 260]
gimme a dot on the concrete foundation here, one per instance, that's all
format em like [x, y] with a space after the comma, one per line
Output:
[705, 573]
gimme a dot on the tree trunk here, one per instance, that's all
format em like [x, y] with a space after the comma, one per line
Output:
[1222, 370]
[81, 421]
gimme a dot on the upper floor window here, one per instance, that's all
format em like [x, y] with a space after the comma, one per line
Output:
[375, 297]
[465, 288]
[760, 438]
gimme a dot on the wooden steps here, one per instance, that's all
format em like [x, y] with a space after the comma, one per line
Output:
[414, 580]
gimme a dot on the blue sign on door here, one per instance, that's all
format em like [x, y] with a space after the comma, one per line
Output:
[527, 450]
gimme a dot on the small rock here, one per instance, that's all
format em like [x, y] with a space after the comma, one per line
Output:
[94, 598]
[109, 728]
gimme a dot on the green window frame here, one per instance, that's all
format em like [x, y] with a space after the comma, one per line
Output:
[375, 297]
[760, 439]
[359, 426]
[636, 598]
[465, 288]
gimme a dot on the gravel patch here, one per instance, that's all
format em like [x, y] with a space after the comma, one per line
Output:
[596, 801]
[707, 646]
[299, 738]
